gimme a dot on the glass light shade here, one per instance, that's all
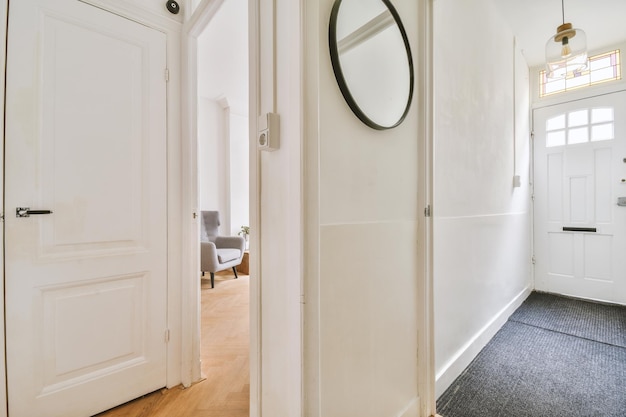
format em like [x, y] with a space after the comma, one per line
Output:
[566, 52]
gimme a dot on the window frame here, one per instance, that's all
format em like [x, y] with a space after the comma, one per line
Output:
[573, 81]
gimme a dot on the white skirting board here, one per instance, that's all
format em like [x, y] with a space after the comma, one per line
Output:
[470, 350]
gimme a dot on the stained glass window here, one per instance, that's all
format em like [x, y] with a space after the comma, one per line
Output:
[602, 68]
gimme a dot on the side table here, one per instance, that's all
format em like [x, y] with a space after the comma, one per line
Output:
[244, 266]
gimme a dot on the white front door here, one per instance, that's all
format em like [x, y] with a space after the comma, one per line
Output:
[85, 138]
[580, 172]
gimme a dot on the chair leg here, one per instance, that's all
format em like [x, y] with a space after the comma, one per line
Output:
[212, 279]
[235, 271]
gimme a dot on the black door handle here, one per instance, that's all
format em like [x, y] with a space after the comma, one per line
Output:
[26, 212]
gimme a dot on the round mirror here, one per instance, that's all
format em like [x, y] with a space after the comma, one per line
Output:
[371, 58]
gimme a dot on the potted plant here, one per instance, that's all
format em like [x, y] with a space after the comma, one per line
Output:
[245, 232]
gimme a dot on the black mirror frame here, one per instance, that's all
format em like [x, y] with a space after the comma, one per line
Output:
[343, 86]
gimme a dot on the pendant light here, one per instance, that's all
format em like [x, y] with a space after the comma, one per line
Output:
[566, 52]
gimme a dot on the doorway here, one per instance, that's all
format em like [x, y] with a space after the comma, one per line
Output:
[222, 73]
[222, 56]
[579, 220]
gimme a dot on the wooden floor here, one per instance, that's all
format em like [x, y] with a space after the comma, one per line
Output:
[225, 361]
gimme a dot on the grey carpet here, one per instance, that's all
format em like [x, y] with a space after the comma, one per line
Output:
[528, 370]
[594, 321]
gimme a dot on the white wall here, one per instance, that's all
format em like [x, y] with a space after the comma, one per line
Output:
[223, 129]
[223, 56]
[362, 272]
[214, 159]
[482, 223]
[223, 166]
[239, 173]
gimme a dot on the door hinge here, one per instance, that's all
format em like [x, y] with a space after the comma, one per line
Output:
[532, 197]
[427, 211]
[167, 74]
[532, 135]
[167, 335]
[533, 260]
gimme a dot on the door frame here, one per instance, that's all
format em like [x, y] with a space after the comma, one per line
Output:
[549, 101]
[537, 102]
[426, 374]
[560, 99]
[4, 4]
[192, 28]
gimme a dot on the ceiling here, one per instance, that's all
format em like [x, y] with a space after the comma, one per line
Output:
[533, 22]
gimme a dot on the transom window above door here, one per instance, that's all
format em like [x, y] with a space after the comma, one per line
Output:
[580, 126]
[602, 68]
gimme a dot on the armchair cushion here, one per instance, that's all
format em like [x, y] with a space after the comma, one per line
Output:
[225, 255]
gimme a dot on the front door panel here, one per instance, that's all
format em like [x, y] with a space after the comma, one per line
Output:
[580, 171]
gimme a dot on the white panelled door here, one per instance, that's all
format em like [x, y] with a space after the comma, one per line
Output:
[580, 172]
[85, 138]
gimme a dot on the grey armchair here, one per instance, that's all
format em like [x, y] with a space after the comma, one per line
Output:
[218, 253]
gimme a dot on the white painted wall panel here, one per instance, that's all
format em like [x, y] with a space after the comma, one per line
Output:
[368, 314]
[369, 274]
[482, 230]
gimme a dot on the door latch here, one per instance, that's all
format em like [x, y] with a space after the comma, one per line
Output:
[27, 212]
